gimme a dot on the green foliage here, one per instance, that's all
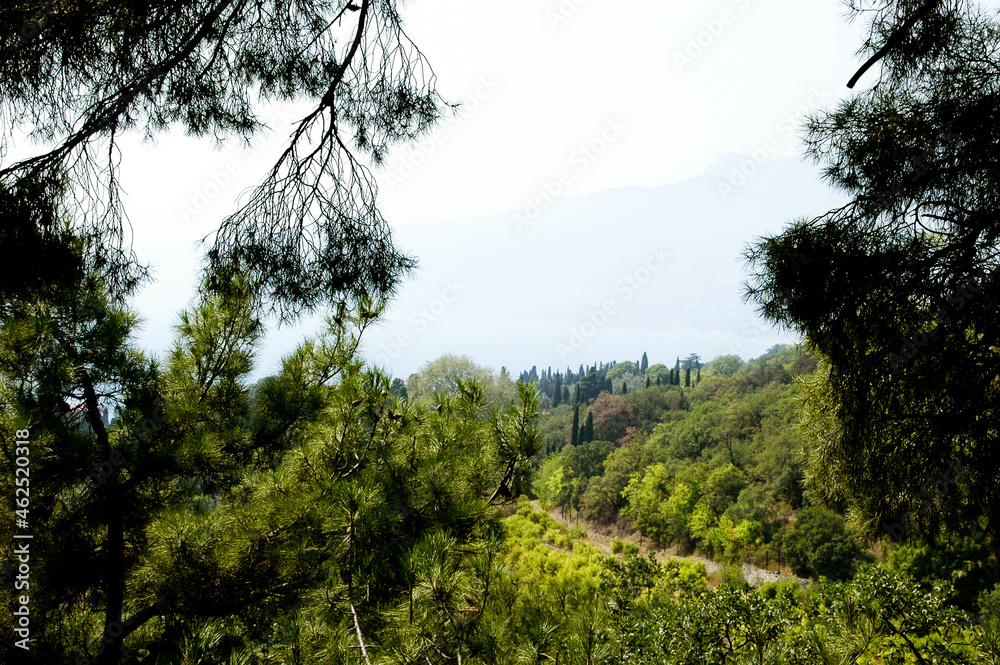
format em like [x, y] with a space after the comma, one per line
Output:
[820, 545]
[908, 368]
[88, 75]
[442, 377]
[725, 365]
[315, 500]
[963, 562]
[723, 487]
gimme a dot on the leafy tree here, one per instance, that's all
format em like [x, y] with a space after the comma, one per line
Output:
[884, 616]
[909, 368]
[723, 487]
[645, 494]
[603, 497]
[311, 230]
[961, 562]
[551, 483]
[586, 460]
[611, 416]
[821, 545]
[658, 371]
[623, 369]
[444, 375]
[725, 365]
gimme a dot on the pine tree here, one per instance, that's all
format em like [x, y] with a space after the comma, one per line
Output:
[92, 71]
[206, 500]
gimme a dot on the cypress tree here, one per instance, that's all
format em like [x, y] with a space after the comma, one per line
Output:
[648, 382]
[557, 391]
[574, 432]
[565, 397]
[587, 433]
[687, 377]
[644, 363]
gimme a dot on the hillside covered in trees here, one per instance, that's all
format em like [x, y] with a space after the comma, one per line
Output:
[179, 509]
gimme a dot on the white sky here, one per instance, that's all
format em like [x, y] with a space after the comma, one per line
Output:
[682, 83]
[557, 83]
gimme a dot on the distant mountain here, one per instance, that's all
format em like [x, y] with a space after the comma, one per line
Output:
[572, 280]
[577, 280]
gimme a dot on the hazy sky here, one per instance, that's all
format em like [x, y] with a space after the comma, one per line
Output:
[576, 97]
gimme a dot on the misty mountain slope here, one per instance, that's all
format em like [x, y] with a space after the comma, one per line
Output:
[630, 269]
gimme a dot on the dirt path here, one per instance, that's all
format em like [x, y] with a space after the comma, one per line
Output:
[752, 574]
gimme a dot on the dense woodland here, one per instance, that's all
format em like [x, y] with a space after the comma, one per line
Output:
[168, 509]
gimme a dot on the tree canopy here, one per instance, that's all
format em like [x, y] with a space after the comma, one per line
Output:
[896, 290]
[78, 76]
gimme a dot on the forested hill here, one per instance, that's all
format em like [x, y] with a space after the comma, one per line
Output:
[695, 455]
[707, 458]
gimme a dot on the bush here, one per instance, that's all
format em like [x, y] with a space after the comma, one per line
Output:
[820, 545]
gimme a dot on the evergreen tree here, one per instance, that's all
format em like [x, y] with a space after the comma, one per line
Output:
[687, 377]
[644, 363]
[208, 507]
[87, 74]
[624, 386]
[557, 391]
[587, 434]
[896, 290]
[565, 396]
[574, 431]
[398, 388]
